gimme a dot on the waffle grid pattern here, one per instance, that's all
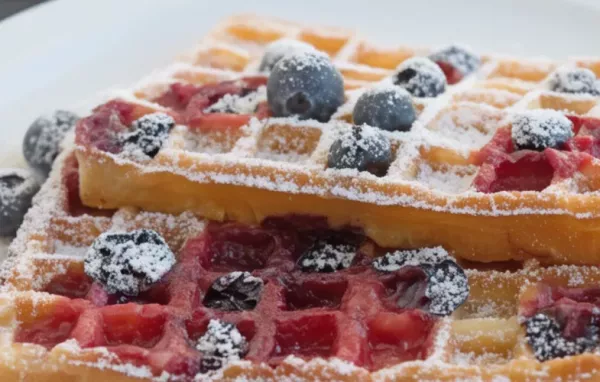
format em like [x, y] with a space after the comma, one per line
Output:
[482, 340]
[45, 291]
[433, 169]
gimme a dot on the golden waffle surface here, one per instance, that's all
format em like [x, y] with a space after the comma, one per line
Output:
[483, 340]
[277, 166]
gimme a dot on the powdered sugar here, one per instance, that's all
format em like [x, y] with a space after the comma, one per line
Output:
[221, 344]
[541, 128]
[326, 256]
[129, 262]
[460, 57]
[237, 104]
[575, 81]
[278, 49]
[394, 261]
[421, 77]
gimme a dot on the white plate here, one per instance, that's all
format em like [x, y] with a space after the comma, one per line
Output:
[63, 52]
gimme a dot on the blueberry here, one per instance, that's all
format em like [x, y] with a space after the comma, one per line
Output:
[327, 256]
[222, 343]
[306, 85]
[363, 148]
[148, 134]
[545, 337]
[574, 81]
[276, 50]
[421, 77]
[128, 263]
[233, 292]
[17, 188]
[457, 57]
[540, 129]
[388, 108]
[41, 144]
[447, 285]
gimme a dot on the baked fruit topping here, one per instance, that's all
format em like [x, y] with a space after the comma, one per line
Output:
[363, 148]
[128, 263]
[17, 188]
[386, 107]
[305, 85]
[42, 141]
[234, 291]
[147, 135]
[574, 81]
[421, 77]
[456, 62]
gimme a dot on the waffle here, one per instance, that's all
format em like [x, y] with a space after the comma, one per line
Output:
[247, 169]
[57, 325]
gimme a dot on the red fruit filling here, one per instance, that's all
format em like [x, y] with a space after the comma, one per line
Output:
[357, 314]
[575, 309]
[502, 168]
[186, 103]
[453, 76]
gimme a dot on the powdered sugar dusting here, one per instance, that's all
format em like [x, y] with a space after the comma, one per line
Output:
[394, 261]
[236, 104]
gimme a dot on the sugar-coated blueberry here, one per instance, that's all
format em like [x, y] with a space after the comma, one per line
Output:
[42, 141]
[421, 77]
[386, 107]
[306, 85]
[540, 129]
[457, 58]
[276, 50]
[17, 188]
[221, 343]
[574, 81]
[364, 148]
[148, 134]
[128, 263]
[234, 291]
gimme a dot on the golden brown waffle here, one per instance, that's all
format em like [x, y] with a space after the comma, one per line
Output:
[277, 166]
[482, 340]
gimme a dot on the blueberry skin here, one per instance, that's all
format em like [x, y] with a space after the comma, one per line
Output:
[574, 81]
[150, 133]
[363, 148]
[17, 188]
[540, 129]
[235, 291]
[390, 108]
[460, 58]
[42, 141]
[306, 85]
[276, 50]
[421, 77]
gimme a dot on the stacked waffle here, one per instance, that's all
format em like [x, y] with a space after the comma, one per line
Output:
[527, 247]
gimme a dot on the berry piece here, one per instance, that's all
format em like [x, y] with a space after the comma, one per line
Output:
[546, 339]
[128, 263]
[222, 343]
[306, 85]
[148, 134]
[540, 129]
[363, 148]
[17, 188]
[386, 107]
[447, 287]
[574, 81]
[327, 256]
[421, 77]
[276, 50]
[447, 284]
[235, 291]
[42, 141]
[456, 62]
[394, 261]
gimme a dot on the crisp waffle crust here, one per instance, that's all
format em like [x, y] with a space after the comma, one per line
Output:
[54, 326]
